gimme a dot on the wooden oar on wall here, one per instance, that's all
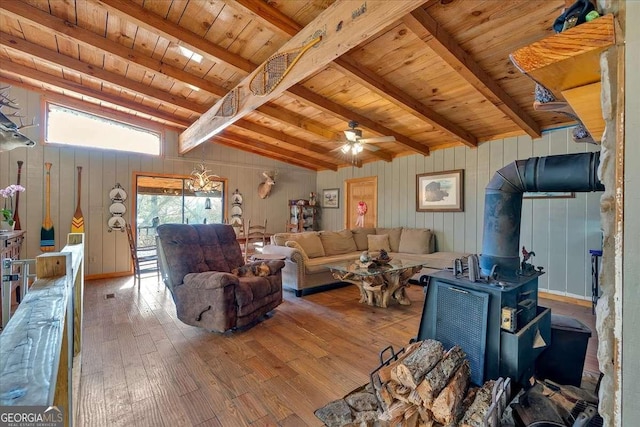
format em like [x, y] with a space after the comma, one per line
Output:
[16, 217]
[47, 235]
[77, 223]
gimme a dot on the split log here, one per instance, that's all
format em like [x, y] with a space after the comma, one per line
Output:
[411, 417]
[335, 414]
[444, 408]
[412, 368]
[385, 398]
[439, 376]
[385, 372]
[398, 391]
[474, 416]
[396, 411]
[425, 419]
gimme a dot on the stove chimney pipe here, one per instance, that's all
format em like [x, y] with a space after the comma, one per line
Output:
[503, 202]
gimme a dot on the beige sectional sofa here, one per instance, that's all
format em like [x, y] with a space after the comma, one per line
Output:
[308, 255]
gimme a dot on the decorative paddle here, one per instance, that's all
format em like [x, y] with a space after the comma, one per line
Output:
[77, 223]
[47, 235]
[16, 217]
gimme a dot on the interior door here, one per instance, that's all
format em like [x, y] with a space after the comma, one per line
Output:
[361, 190]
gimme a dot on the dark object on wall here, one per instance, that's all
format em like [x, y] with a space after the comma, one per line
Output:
[563, 361]
[503, 202]
[575, 14]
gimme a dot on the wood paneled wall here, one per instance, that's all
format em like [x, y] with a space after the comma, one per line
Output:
[560, 231]
[108, 253]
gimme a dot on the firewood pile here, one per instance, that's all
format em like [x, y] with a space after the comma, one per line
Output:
[425, 386]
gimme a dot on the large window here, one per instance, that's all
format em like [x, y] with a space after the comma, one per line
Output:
[163, 199]
[73, 127]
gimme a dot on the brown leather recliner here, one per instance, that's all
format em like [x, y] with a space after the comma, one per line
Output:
[196, 263]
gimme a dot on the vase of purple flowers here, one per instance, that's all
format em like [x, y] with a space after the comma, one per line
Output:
[6, 213]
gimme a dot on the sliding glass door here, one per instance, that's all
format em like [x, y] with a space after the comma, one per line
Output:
[164, 199]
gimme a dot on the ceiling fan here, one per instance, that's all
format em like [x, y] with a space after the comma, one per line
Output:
[355, 143]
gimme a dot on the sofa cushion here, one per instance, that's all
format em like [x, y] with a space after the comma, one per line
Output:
[360, 237]
[394, 237]
[310, 242]
[415, 241]
[338, 242]
[378, 242]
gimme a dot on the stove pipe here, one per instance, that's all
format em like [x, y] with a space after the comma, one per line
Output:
[503, 202]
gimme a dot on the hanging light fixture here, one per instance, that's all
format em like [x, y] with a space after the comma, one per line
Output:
[202, 182]
[352, 147]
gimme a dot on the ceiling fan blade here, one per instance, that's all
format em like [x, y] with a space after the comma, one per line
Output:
[372, 148]
[377, 139]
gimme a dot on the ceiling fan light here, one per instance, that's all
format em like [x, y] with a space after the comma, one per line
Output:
[357, 148]
[345, 148]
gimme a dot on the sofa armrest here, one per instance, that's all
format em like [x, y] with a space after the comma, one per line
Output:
[209, 280]
[291, 254]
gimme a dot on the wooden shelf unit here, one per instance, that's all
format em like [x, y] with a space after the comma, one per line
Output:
[301, 217]
[568, 64]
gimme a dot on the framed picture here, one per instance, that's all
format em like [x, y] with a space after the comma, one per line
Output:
[331, 198]
[440, 191]
[550, 195]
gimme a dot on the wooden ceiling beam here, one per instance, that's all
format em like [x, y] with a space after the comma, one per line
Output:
[344, 28]
[110, 113]
[22, 71]
[297, 142]
[303, 94]
[44, 54]
[393, 94]
[284, 153]
[268, 15]
[289, 118]
[230, 142]
[46, 22]
[432, 33]
[280, 136]
[288, 27]
[175, 33]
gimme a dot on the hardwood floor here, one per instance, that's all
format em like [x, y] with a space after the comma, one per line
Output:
[143, 367]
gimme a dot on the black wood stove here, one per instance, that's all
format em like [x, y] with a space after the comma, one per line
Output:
[492, 311]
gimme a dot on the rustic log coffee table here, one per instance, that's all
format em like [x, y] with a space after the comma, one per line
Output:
[378, 284]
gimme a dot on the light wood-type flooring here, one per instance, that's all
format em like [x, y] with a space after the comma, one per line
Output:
[143, 367]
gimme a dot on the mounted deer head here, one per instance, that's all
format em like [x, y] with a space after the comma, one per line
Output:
[264, 189]
[10, 136]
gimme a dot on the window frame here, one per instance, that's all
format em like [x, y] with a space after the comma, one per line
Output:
[106, 114]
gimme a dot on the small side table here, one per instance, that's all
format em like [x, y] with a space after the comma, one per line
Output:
[595, 277]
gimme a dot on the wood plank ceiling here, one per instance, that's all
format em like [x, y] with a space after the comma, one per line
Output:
[431, 73]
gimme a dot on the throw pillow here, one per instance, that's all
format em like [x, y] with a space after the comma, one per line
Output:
[415, 241]
[310, 242]
[394, 237]
[296, 245]
[360, 237]
[378, 242]
[338, 242]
